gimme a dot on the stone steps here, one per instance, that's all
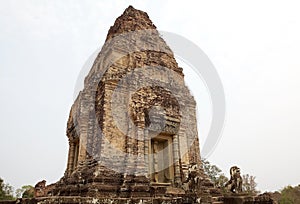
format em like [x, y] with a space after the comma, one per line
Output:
[216, 200]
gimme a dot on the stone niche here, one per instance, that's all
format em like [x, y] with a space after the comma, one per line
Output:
[132, 130]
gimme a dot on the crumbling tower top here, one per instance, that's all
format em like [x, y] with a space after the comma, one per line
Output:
[131, 20]
[132, 130]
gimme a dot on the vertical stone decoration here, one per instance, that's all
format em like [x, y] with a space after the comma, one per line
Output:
[132, 129]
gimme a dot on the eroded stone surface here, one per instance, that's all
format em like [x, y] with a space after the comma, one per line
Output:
[132, 129]
[235, 183]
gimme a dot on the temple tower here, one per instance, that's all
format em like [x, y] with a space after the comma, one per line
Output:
[132, 130]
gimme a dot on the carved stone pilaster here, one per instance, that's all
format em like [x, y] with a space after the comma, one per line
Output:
[176, 156]
[71, 157]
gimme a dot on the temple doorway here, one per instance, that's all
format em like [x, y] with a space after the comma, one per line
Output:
[161, 159]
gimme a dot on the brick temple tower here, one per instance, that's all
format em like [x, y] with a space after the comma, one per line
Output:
[132, 130]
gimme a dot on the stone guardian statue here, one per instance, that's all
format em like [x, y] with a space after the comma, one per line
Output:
[235, 183]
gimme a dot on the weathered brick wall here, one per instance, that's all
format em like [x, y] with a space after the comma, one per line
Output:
[133, 77]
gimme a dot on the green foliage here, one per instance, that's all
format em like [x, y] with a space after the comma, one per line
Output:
[290, 195]
[249, 184]
[211, 170]
[215, 174]
[6, 191]
[221, 180]
[25, 192]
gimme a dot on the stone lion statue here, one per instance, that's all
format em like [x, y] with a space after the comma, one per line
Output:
[39, 189]
[235, 183]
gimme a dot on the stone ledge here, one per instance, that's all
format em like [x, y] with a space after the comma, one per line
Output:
[90, 200]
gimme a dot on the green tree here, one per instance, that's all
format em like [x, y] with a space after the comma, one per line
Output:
[221, 181]
[215, 174]
[290, 195]
[6, 191]
[25, 192]
[212, 171]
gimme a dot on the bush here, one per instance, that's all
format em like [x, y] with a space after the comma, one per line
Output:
[6, 191]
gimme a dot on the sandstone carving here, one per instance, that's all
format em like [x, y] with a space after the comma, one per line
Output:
[235, 183]
[41, 190]
[132, 130]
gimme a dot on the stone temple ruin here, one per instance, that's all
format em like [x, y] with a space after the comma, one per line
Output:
[132, 129]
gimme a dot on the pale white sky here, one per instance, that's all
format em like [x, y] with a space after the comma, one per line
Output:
[254, 46]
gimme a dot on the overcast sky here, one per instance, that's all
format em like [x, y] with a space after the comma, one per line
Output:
[254, 46]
